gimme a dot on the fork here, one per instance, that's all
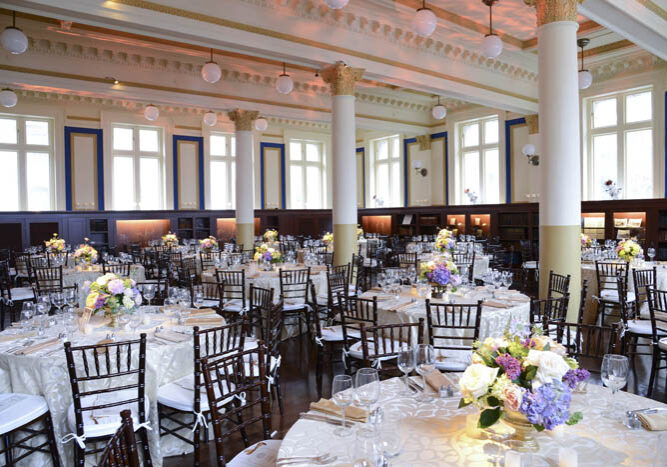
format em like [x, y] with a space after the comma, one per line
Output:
[316, 460]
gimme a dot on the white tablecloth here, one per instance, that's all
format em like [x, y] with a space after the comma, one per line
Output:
[434, 434]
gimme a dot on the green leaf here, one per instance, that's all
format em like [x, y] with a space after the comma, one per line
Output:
[529, 373]
[575, 418]
[463, 403]
[547, 347]
[493, 401]
[488, 417]
[539, 427]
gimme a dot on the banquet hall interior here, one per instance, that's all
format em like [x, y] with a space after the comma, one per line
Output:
[333, 232]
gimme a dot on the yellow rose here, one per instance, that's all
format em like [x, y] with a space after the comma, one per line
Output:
[91, 299]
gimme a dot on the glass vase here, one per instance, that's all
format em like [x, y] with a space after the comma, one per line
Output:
[523, 438]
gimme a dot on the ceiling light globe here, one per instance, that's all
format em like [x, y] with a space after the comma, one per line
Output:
[14, 40]
[151, 113]
[8, 98]
[585, 79]
[336, 4]
[284, 84]
[439, 112]
[528, 150]
[492, 46]
[210, 118]
[261, 124]
[211, 72]
[424, 22]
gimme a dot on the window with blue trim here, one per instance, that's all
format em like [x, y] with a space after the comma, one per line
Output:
[386, 172]
[222, 156]
[478, 161]
[306, 169]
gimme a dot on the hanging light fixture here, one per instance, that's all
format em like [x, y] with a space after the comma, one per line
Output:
[13, 39]
[210, 118]
[284, 83]
[261, 124]
[336, 4]
[585, 76]
[528, 150]
[439, 111]
[424, 21]
[151, 112]
[8, 98]
[492, 46]
[211, 72]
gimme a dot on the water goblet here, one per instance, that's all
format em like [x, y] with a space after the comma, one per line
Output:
[148, 292]
[70, 296]
[389, 444]
[27, 311]
[406, 362]
[58, 300]
[367, 383]
[651, 253]
[341, 390]
[425, 365]
[507, 279]
[614, 375]
[423, 289]
[135, 321]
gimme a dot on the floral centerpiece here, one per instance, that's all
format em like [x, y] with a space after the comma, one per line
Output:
[266, 254]
[109, 293]
[472, 196]
[328, 238]
[586, 241]
[445, 242]
[170, 240]
[443, 274]
[55, 245]
[85, 253]
[628, 249]
[613, 190]
[271, 235]
[525, 378]
[360, 232]
[207, 244]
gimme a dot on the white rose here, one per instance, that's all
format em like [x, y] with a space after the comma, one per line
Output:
[475, 381]
[128, 302]
[550, 366]
[102, 280]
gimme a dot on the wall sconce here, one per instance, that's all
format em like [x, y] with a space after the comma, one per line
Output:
[417, 165]
[528, 150]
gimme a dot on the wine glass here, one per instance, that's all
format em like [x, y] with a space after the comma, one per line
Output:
[342, 397]
[70, 297]
[41, 310]
[406, 363]
[389, 443]
[614, 374]
[507, 279]
[198, 298]
[28, 311]
[148, 291]
[423, 289]
[651, 253]
[367, 383]
[425, 365]
[58, 300]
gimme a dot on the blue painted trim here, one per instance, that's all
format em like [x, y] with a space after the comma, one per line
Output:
[200, 157]
[363, 172]
[445, 144]
[283, 191]
[665, 143]
[68, 165]
[406, 169]
[508, 156]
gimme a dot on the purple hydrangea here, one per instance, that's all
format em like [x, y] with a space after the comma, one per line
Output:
[440, 275]
[267, 256]
[101, 300]
[574, 377]
[548, 405]
[511, 365]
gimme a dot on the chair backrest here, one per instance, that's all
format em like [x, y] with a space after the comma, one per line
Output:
[102, 365]
[22, 264]
[407, 260]
[161, 287]
[233, 285]
[337, 283]
[354, 312]
[122, 269]
[382, 342]
[643, 279]
[207, 259]
[273, 333]
[211, 292]
[57, 259]
[121, 449]
[628, 310]
[453, 326]
[465, 261]
[260, 303]
[294, 284]
[582, 302]
[657, 305]
[187, 271]
[48, 279]
[548, 309]
[587, 343]
[239, 377]
[559, 285]
[607, 273]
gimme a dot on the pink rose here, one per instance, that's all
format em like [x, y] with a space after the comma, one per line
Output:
[512, 396]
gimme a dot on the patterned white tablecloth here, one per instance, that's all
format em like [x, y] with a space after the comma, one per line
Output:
[45, 373]
[434, 434]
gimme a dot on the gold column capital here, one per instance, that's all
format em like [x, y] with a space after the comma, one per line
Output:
[550, 11]
[424, 142]
[341, 78]
[243, 119]
[533, 122]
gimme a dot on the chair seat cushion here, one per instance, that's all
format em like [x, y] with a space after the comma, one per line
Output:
[356, 350]
[179, 394]
[234, 305]
[105, 422]
[294, 305]
[210, 303]
[642, 327]
[662, 343]
[18, 409]
[453, 359]
[335, 333]
[263, 456]
[22, 293]
[612, 296]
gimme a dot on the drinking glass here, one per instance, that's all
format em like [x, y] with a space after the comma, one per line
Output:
[614, 374]
[651, 253]
[135, 321]
[41, 313]
[198, 298]
[423, 289]
[70, 297]
[507, 279]
[367, 383]
[406, 363]
[58, 300]
[148, 291]
[343, 397]
[123, 318]
[389, 444]
[28, 311]
[425, 365]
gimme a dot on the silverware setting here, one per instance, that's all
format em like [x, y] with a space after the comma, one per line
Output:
[325, 419]
[316, 460]
[415, 386]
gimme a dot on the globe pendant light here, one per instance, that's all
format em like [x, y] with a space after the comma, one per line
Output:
[8, 98]
[13, 39]
[336, 4]
[284, 83]
[439, 111]
[151, 112]
[210, 118]
[585, 76]
[261, 124]
[492, 46]
[424, 21]
[211, 72]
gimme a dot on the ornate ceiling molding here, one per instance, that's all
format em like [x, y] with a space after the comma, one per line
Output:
[638, 62]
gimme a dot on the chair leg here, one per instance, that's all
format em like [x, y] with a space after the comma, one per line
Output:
[53, 447]
[8, 450]
[144, 441]
[276, 380]
[79, 456]
[196, 438]
[655, 363]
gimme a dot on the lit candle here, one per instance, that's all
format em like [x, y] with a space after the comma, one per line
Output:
[567, 457]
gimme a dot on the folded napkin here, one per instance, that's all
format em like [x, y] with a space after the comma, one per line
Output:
[202, 311]
[37, 347]
[436, 380]
[400, 306]
[11, 337]
[172, 336]
[496, 304]
[356, 414]
[204, 321]
[653, 421]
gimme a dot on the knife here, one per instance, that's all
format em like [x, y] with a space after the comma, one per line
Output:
[319, 418]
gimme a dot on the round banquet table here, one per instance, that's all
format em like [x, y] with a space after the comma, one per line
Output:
[45, 373]
[77, 276]
[434, 434]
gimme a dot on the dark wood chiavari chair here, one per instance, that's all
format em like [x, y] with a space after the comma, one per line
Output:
[161, 287]
[642, 280]
[407, 260]
[452, 329]
[22, 266]
[261, 301]
[337, 283]
[328, 337]
[241, 379]
[174, 399]
[294, 292]
[325, 258]
[120, 269]
[582, 301]
[47, 279]
[356, 269]
[381, 344]
[11, 297]
[465, 261]
[233, 292]
[354, 312]
[207, 259]
[121, 450]
[186, 272]
[607, 273]
[122, 363]
[559, 285]
[548, 309]
[657, 305]
[273, 333]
